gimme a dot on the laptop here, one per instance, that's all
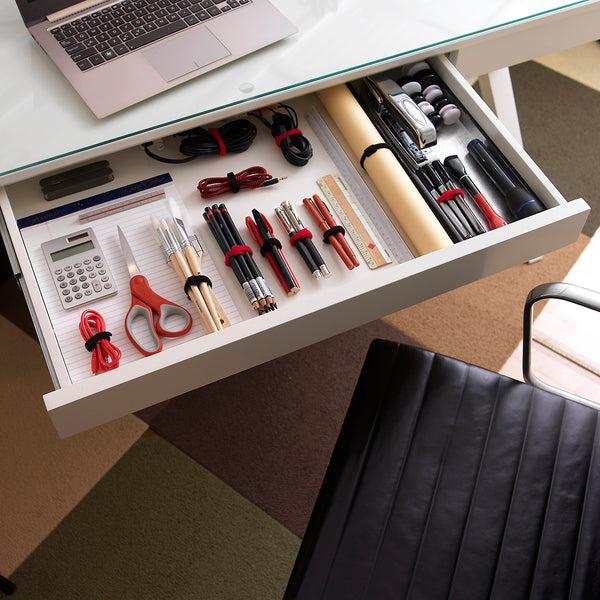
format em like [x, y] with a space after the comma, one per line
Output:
[116, 54]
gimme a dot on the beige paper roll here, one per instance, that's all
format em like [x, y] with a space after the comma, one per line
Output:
[404, 200]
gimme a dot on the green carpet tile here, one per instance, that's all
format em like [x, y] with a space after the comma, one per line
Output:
[160, 526]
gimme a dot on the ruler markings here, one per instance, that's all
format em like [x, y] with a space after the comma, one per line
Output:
[368, 245]
[120, 206]
[367, 206]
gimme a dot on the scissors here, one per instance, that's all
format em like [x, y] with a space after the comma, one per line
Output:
[149, 309]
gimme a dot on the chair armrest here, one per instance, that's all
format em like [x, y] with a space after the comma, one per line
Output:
[561, 291]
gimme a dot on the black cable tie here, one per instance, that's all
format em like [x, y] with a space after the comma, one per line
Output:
[332, 231]
[235, 184]
[371, 150]
[269, 243]
[195, 280]
[91, 342]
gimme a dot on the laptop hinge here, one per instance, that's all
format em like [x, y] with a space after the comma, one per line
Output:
[73, 10]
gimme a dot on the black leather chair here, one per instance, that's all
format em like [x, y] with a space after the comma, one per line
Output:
[451, 481]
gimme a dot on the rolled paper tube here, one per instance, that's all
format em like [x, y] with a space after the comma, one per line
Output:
[405, 202]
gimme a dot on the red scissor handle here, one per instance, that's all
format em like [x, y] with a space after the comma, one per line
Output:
[145, 304]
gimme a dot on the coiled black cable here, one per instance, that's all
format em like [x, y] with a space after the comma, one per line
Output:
[295, 147]
[235, 136]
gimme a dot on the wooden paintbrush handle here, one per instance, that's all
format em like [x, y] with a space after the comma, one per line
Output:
[214, 307]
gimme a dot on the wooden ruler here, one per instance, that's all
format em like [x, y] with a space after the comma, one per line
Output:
[354, 222]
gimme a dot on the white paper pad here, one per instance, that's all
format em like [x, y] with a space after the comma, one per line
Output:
[135, 223]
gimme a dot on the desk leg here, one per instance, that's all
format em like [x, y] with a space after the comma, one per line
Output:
[497, 92]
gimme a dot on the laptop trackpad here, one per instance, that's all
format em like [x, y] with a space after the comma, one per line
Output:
[186, 53]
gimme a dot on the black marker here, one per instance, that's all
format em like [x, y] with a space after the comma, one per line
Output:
[456, 167]
[520, 201]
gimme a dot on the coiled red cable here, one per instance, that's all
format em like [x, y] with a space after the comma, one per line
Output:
[105, 355]
[252, 177]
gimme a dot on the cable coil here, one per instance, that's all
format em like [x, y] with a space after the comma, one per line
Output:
[253, 177]
[295, 147]
[233, 137]
[105, 355]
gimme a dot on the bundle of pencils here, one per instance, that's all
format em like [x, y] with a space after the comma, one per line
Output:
[183, 253]
[238, 256]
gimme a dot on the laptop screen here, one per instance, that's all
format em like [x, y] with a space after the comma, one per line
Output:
[34, 11]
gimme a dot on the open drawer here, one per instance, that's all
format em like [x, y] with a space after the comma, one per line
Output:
[321, 309]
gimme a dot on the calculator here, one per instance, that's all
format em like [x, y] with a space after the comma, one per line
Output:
[79, 269]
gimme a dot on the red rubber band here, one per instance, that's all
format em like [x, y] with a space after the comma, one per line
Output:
[300, 235]
[449, 195]
[215, 133]
[286, 134]
[236, 251]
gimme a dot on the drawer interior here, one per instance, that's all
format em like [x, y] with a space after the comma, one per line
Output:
[321, 308]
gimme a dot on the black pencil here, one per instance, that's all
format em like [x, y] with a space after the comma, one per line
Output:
[239, 257]
[256, 273]
[233, 261]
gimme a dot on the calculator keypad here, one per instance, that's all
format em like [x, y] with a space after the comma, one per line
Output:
[83, 281]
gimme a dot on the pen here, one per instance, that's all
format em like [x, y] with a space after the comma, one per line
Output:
[304, 253]
[477, 227]
[451, 202]
[457, 169]
[444, 207]
[302, 238]
[333, 233]
[270, 247]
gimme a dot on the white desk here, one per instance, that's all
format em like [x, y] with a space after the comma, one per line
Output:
[43, 120]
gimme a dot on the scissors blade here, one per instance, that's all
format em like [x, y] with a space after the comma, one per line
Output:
[128, 254]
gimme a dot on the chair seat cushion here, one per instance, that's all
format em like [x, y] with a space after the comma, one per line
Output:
[451, 481]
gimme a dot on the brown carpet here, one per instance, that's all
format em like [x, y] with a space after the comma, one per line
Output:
[482, 322]
[557, 135]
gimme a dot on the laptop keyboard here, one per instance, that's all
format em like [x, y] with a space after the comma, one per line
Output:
[126, 26]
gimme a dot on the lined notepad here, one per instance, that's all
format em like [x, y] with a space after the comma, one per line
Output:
[135, 223]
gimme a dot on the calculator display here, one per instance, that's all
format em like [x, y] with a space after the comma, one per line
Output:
[72, 251]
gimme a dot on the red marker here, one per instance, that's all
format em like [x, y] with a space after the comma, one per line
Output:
[261, 231]
[457, 169]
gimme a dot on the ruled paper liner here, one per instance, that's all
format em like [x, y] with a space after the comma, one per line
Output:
[136, 226]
